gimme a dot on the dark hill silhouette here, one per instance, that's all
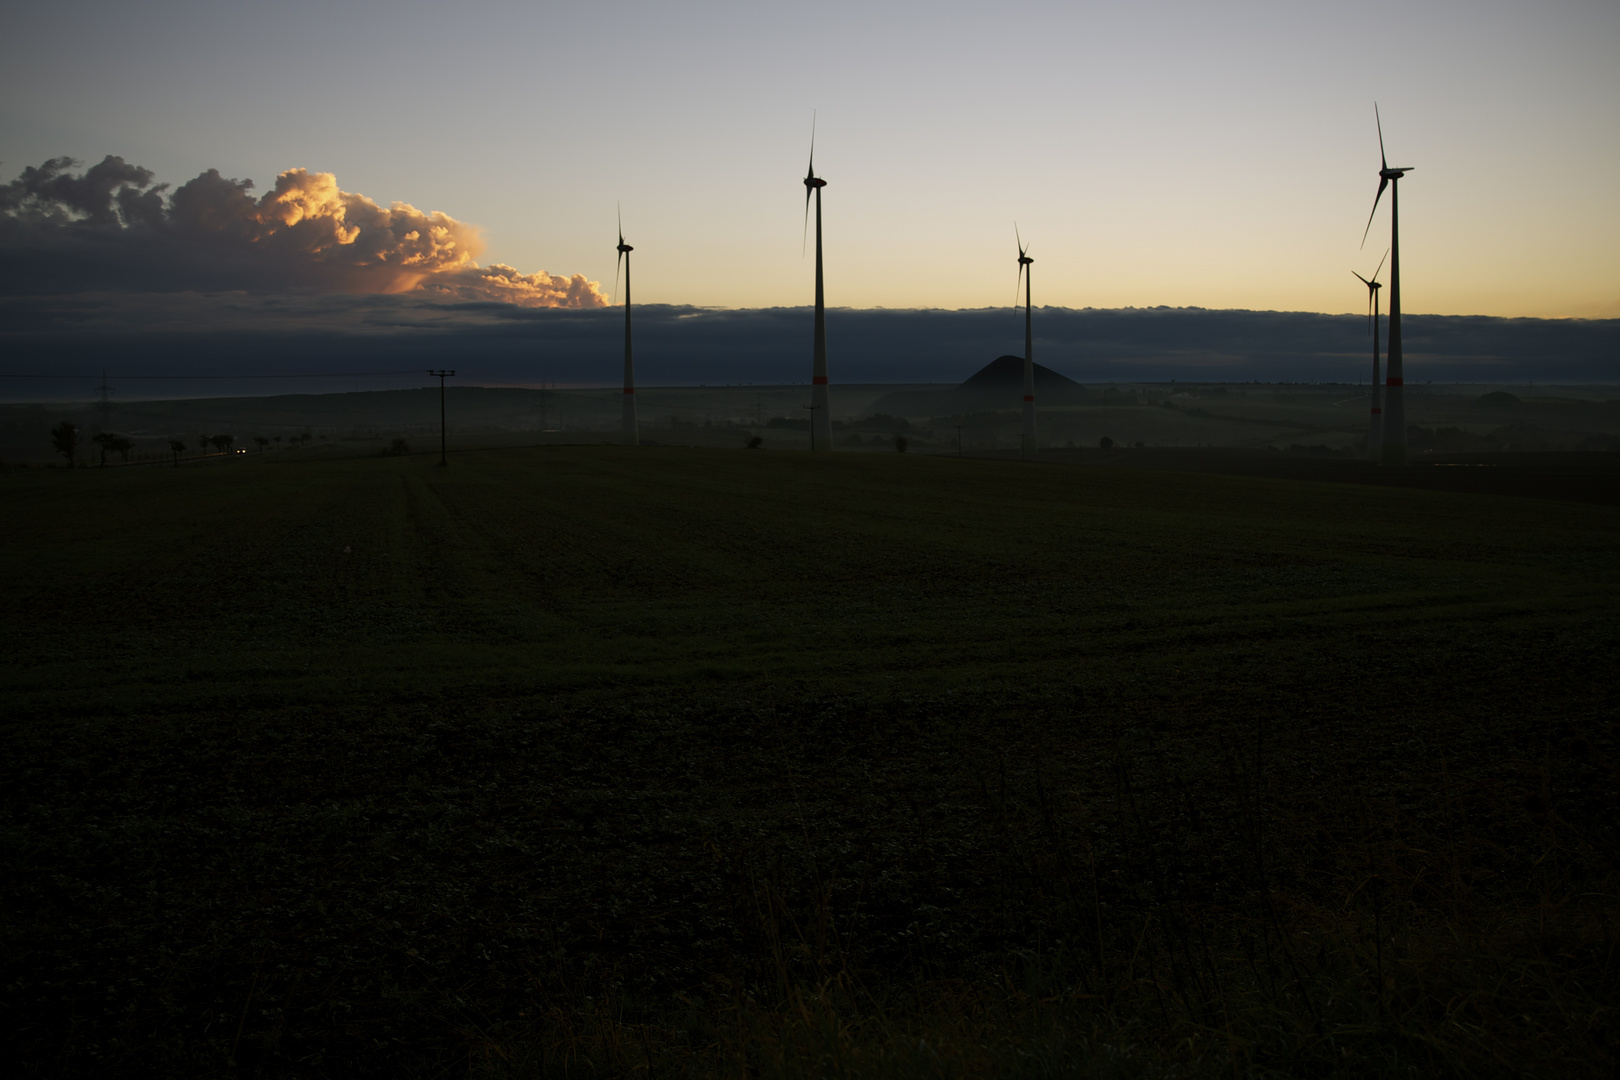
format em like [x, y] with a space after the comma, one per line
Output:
[1005, 371]
[997, 385]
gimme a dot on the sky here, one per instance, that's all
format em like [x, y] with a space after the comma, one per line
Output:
[1177, 153]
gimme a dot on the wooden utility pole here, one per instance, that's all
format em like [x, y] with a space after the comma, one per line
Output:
[441, 375]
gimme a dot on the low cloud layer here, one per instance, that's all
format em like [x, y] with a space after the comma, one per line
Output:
[112, 228]
[497, 343]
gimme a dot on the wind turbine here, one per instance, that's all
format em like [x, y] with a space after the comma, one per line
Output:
[631, 432]
[1025, 263]
[1375, 430]
[820, 414]
[1393, 444]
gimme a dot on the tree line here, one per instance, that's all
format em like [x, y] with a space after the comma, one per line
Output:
[66, 440]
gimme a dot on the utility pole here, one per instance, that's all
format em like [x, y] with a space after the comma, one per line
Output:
[104, 404]
[812, 409]
[440, 374]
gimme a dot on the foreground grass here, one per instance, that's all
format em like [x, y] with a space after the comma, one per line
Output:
[600, 761]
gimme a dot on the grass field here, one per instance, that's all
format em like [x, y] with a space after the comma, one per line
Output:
[1449, 419]
[597, 761]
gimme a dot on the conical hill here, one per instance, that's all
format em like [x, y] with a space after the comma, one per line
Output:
[997, 385]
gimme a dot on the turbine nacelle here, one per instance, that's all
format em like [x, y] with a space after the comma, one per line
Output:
[1024, 263]
[1372, 290]
[1386, 175]
[624, 250]
[812, 185]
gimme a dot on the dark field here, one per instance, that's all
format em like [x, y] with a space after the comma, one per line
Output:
[595, 761]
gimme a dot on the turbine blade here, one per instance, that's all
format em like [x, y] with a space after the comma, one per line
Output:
[1380, 122]
[1361, 279]
[809, 175]
[615, 293]
[1383, 182]
[1020, 240]
[1380, 266]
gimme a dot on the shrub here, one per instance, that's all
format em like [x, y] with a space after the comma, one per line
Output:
[65, 438]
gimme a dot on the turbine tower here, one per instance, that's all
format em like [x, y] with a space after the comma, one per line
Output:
[1025, 264]
[632, 436]
[1393, 450]
[1375, 429]
[820, 414]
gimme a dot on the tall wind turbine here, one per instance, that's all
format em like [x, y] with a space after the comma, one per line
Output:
[820, 414]
[1025, 264]
[1394, 440]
[1375, 429]
[632, 434]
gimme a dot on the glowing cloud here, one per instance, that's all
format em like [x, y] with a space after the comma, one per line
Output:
[111, 227]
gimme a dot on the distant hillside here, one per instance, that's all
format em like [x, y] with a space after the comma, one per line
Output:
[997, 385]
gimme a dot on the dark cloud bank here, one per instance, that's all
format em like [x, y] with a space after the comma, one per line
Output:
[499, 343]
[105, 269]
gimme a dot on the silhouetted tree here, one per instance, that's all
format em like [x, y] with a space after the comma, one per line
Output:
[176, 448]
[105, 440]
[123, 444]
[65, 437]
[754, 442]
[278, 440]
[900, 443]
[262, 441]
[222, 443]
[1106, 443]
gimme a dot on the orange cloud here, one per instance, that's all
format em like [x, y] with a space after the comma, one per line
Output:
[506, 284]
[305, 233]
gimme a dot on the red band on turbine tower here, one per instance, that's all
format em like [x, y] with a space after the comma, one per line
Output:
[1393, 382]
[1029, 397]
[820, 380]
[629, 389]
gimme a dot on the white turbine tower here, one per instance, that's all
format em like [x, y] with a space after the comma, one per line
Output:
[820, 412]
[1375, 429]
[631, 431]
[1394, 440]
[1025, 269]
